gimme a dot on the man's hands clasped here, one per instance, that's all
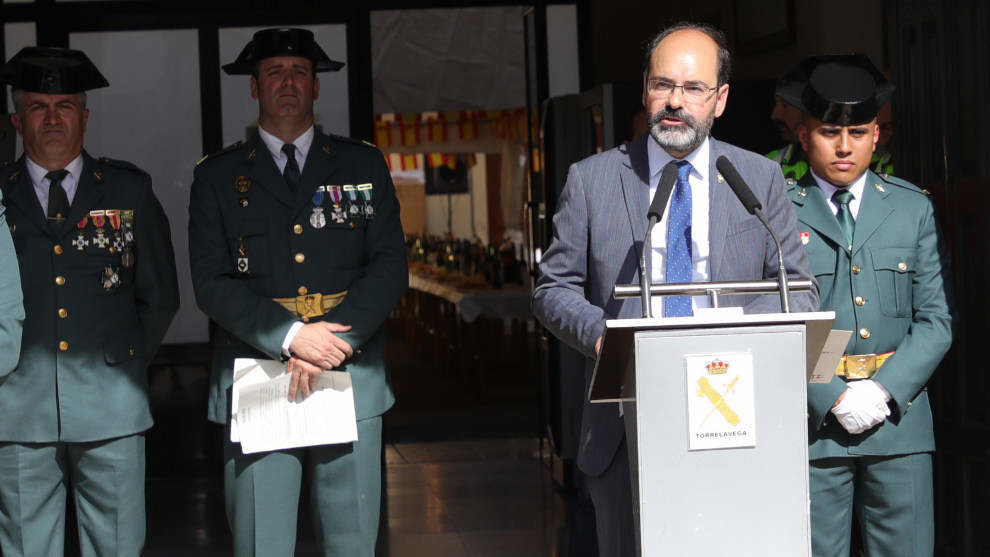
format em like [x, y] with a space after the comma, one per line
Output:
[315, 348]
[861, 406]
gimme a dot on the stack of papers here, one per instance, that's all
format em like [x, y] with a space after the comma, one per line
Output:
[263, 418]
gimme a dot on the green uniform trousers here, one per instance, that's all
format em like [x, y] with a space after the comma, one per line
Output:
[893, 499]
[107, 482]
[262, 495]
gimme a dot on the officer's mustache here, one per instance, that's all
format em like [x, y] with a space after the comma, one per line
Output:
[679, 113]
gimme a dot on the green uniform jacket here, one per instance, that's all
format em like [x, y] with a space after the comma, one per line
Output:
[11, 301]
[899, 271]
[92, 323]
[239, 198]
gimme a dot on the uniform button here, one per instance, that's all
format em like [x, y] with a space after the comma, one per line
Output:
[351, 224]
[902, 266]
[303, 291]
[63, 313]
[300, 257]
[856, 269]
[60, 280]
[112, 250]
[297, 229]
[63, 346]
[130, 351]
[57, 249]
[864, 333]
[860, 301]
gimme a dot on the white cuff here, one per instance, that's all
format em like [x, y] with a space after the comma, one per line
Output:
[289, 337]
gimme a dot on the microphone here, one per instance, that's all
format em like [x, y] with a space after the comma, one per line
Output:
[754, 207]
[667, 180]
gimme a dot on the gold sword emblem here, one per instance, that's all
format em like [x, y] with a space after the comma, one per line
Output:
[718, 400]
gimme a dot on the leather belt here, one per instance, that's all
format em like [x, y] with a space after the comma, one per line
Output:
[861, 366]
[311, 305]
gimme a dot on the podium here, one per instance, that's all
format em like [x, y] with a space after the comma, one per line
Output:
[715, 408]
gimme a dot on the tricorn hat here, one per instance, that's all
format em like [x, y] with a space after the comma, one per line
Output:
[52, 71]
[281, 42]
[791, 84]
[842, 89]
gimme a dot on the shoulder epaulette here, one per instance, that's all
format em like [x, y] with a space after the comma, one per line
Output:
[119, 163]
[225, 150]
[354, 141]
[902, 183]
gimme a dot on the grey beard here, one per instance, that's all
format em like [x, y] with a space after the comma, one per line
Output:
[682, 139]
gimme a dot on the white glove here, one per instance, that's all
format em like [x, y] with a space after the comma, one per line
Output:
[863, 407]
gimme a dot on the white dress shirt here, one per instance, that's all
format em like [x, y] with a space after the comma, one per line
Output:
[700, 246]
[70, 183]
[856, 188]
[274, 145]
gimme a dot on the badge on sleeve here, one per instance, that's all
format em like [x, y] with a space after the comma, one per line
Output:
[318, 219]
[366, 190]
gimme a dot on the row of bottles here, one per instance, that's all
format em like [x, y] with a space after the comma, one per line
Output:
[497, 265]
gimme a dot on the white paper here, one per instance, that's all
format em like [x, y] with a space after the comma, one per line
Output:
[263, 419]
[721, 402]
[835, 347]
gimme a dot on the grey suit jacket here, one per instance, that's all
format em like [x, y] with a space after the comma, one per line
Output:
[598, 234]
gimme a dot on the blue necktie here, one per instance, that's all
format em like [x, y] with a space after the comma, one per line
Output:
[679, 242]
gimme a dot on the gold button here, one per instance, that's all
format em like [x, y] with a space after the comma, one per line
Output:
[856, 269]
[63, 346]
[63, 313]
[300, 257]
[60, 280]
[112, 250]
[297, 229]
[864, 333]
[351, 224]
[130, 351]
[302, 291]
[860, 301]
[57, 249]
[902, 266]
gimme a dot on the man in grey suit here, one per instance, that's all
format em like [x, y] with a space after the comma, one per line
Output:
[600, 224]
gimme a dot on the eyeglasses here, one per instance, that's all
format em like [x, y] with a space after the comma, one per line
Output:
[693, 92]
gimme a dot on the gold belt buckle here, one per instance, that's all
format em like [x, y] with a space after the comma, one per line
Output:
[861, 366]
[310, 305]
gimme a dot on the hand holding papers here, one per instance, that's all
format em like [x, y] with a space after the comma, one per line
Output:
[263, 418]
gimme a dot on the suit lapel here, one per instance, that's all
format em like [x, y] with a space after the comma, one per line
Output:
[89, 193]
[260, 169]
[812, 209]
[321, 164]
[718, 211]
[19, 191]
[873, 210]
[635, 177]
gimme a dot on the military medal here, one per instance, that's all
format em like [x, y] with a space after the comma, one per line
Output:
[318, 219]
[366, 190]
[242, 184]
[353, 209]
[81, 242]
[337, 197]
[127, 223]
[110, 279]
[243, 202]
[117, 244]
[99, 218]
[242, 258]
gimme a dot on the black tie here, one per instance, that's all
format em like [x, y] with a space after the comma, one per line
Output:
[58, 202]
[291, 171]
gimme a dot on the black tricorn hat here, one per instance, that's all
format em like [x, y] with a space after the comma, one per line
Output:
[281, 42]
[791, 84]
[52, 71]
[842, 89]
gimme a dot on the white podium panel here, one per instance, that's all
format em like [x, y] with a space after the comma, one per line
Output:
[744, 386]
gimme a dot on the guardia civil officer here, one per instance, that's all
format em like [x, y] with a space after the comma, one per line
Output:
[297, 252]
[881, 264]
[98, 277]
